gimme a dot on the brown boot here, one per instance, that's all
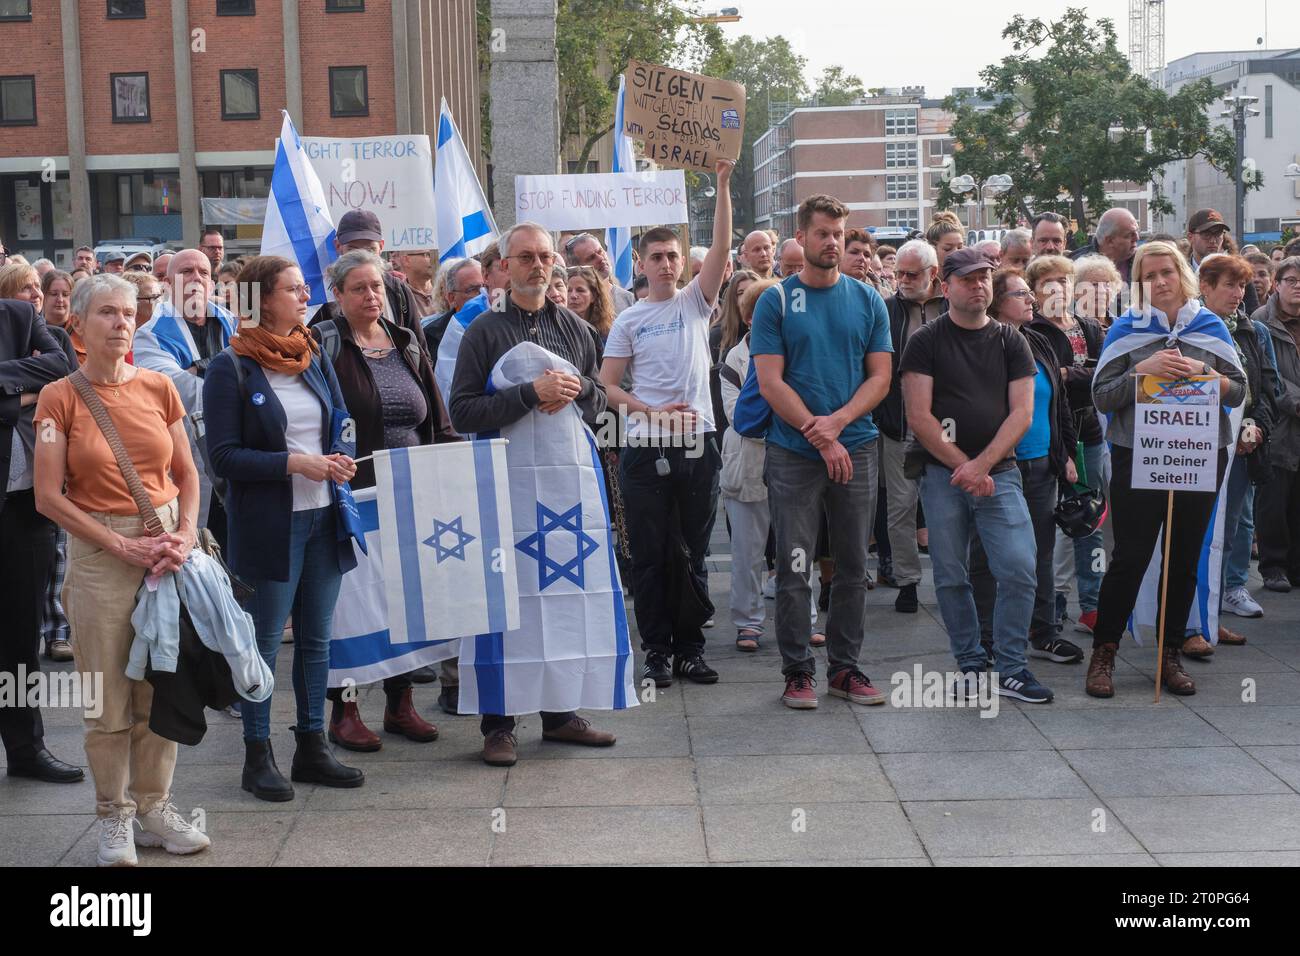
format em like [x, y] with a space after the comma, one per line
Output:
[499, 749]
[1101, 667]
[1198, 647]
[407, 721]
[1172, 675]
[1230, 637]
[349, 731]
[578, 731]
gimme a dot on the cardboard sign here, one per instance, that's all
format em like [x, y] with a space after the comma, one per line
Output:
[392, 176]
[1176, 433]
[602, 200]
[687, 121]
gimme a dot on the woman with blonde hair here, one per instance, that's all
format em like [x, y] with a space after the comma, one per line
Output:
[1097, 286]
[1167, 332]
[946, 234]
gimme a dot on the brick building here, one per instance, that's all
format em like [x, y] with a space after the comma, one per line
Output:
[117, 117]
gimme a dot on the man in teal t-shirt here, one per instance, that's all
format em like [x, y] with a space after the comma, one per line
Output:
[820, 344]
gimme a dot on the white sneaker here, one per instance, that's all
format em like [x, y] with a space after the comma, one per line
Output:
[1240, 603]
[116, 841]
[163, 826]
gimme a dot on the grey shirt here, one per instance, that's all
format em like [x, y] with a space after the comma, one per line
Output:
[1113, 390]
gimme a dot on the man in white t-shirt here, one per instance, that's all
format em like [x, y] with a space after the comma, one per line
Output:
[672, 460]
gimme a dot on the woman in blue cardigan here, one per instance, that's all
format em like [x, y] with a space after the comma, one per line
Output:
[275, 422]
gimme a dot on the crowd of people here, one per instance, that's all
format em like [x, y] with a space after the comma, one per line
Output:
[842, 398]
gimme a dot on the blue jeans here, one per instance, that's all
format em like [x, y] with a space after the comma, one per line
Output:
[1238, 537]
[310, 594]
[1007, 533]
[1087, 548]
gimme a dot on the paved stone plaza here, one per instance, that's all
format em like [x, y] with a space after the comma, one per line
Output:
[727, 775]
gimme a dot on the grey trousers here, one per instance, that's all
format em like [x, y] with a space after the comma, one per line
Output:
[902, 494]
[749, 524]
[798, 490]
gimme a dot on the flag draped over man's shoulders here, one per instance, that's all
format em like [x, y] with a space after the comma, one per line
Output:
[1198, 326]
[571, 649]
[298, 224]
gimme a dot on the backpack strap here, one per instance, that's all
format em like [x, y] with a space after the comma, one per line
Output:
[330, 340]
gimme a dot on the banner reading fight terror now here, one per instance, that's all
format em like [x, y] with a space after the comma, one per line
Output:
[602, 200]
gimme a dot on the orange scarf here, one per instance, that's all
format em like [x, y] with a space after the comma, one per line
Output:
[289, 354]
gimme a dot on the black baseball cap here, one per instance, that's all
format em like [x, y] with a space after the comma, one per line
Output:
[359, 224]
[965, 261]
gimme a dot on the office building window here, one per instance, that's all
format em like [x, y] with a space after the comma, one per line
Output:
[903, 218]
[239, 99]
[17, 101]
[940, 148]
[900, 122]
[900, 187]
[900, 154]
[15, 9]
[349, 93]
[126, 9]
[236, 8]
[130, 93]
[344, 6]
[1268, 112]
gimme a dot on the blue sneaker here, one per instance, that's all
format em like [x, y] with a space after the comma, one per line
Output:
[1024, 686]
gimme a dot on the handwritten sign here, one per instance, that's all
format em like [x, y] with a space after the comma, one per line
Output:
[1176, 433]
[602, 200]
[391, 176]
[687, 121]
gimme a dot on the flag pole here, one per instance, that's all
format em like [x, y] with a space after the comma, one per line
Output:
[1164, 594]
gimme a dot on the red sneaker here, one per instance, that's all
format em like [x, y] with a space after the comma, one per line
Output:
[853, 685]
[799, 692]
[1087, 621]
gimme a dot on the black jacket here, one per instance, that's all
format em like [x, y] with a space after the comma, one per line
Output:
[202, 679]
[1061, 447]
[889, 415]
[23, 332]
[1261, 380]
[401, 302]
[1078, 380]
[361, 395]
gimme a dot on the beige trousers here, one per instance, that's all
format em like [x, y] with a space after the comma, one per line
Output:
[130, 764]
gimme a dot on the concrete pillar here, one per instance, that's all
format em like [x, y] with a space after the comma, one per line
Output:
[525, 99]
[183, 101]
[78, 179]
[292, 64]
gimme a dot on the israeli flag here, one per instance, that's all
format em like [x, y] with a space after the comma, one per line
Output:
[362, 650]
[465, 223]
[445, 522]
[298, 224]
[619, 240]
[571, 649]
[444, 368]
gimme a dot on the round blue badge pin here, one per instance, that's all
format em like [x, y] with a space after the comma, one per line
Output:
[259, 398]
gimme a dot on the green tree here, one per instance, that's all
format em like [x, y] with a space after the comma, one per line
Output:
[1064, 114]
[596, 38]
[837, 88]
[773, 75]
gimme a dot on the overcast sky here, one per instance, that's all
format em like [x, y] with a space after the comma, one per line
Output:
[941, 44]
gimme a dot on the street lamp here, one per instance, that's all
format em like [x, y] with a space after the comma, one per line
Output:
[1237, 111]
[995, 185]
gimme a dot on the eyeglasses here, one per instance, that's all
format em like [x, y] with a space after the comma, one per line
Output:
[139, 267]
[904, 274]
[1291, 282]
[1019, 294]
[149, 298]
[294, 290]
[212, 248]
[532, 258]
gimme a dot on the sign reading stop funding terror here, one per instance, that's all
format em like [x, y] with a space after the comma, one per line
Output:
[685, 120]
[1176, 433]
[602, 200]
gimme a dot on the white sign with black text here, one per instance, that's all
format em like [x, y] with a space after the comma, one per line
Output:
[1176, 433]
[602, 200]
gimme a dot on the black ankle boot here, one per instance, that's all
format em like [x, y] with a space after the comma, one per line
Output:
[313, 762]
[262, 778]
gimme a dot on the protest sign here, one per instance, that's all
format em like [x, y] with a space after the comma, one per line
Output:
[687, 121]
[1176, 433]
[602, 200]
[391, 176]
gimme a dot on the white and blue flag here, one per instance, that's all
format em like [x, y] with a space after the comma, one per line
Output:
[571, 649]
[619, 240]
[445, 526]
[362, 650]
[465, 223]
[298, 224]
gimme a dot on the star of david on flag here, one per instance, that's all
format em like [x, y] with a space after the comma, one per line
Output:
[549, 569]
[453, 528]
